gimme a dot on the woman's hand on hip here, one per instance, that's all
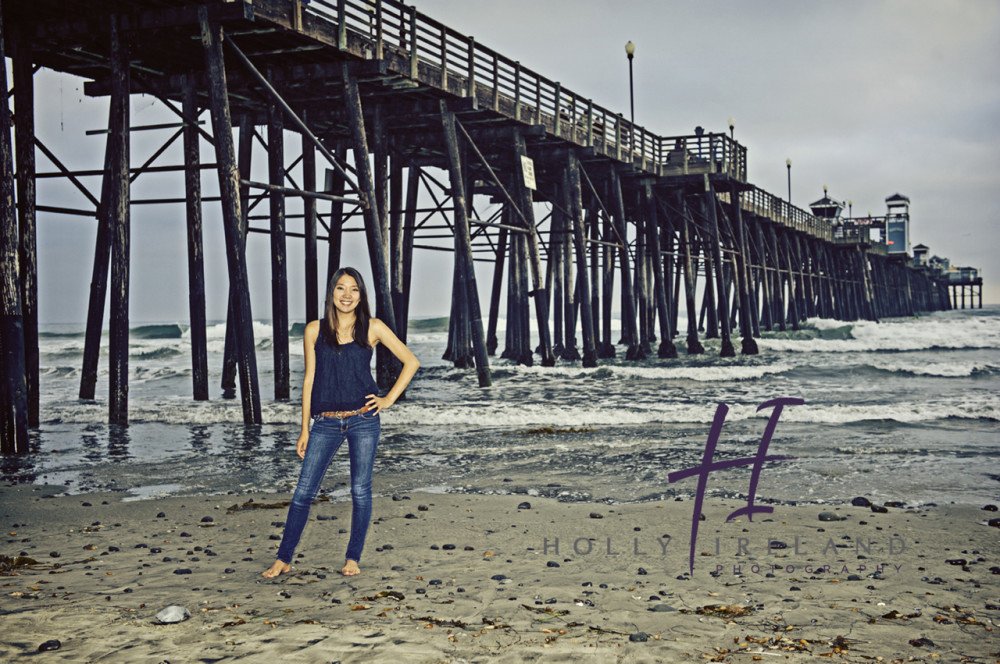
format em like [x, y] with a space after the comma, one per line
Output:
[377, 404]
[300, 446]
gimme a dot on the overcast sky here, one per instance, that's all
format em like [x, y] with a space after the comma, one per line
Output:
[869, 97]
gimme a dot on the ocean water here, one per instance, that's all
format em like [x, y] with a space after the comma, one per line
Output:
[905, 409]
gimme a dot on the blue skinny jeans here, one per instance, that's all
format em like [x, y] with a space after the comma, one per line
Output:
[325, 437]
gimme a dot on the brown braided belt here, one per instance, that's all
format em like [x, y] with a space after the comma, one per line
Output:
[342, 414]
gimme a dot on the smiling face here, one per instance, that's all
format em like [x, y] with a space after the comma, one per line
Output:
[346, 294]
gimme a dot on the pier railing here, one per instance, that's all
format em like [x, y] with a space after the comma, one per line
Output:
[439, 56]
[761, 203]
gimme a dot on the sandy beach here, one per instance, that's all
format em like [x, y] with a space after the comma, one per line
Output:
[472, 578]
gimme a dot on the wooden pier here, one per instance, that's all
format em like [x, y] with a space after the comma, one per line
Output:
[384, 98]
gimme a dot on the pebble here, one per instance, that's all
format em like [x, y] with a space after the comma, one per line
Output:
[173, 614]
[499, 577]
[994, 523]
[638, 637]
[662, 608]
[895, 503]
[207, 519]
[448, 547]
[922, 641]
[524, 506]
[52, 644]
[552, 563]
[830, 516]
[642, 571]
[161, 515]
[989, 508]
[879, 509]
[182, 571]
[957, 561]
[595, 515]
[861, 501]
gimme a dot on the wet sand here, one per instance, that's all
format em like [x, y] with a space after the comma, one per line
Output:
[454, 577]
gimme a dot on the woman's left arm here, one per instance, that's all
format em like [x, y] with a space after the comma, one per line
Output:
[379, 332]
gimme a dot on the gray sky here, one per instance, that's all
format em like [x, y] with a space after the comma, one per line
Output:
[868, 97]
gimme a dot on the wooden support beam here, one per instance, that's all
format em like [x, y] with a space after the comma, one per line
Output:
[374, 225]
[523, 198]
[748, 346]
[778, 291]
[396, 237]
[465, 274]
[118, 174]
[629, 329]
[409, 230]
[607, 348]
[335, 184]
[498, 269]
[593, 231]
[660, 297]
[243, 160]
[13, 388]
[309, 226]
[575, 196]
[195, 250]
[694, 346]
[716, 242]
[24, 130]
[233, 219]
[279, 272]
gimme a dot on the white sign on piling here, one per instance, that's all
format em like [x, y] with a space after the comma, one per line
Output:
[528, 168]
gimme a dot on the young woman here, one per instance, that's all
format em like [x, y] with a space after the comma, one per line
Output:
[341, 400]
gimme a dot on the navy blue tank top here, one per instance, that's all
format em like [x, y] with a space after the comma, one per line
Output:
[342, 379]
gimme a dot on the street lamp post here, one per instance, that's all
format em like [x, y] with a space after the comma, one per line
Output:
[788, 163]
[630, 52]
[732, 127]
[850, 207]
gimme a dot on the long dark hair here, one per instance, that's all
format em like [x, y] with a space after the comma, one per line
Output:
[362, 314]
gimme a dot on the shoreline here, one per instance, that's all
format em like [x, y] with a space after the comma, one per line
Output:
[486, 578]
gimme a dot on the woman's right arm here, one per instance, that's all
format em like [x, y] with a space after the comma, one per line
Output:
[309, 351]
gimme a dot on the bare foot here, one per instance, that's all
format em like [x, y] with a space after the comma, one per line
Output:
[350, 568]
[276, 569]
